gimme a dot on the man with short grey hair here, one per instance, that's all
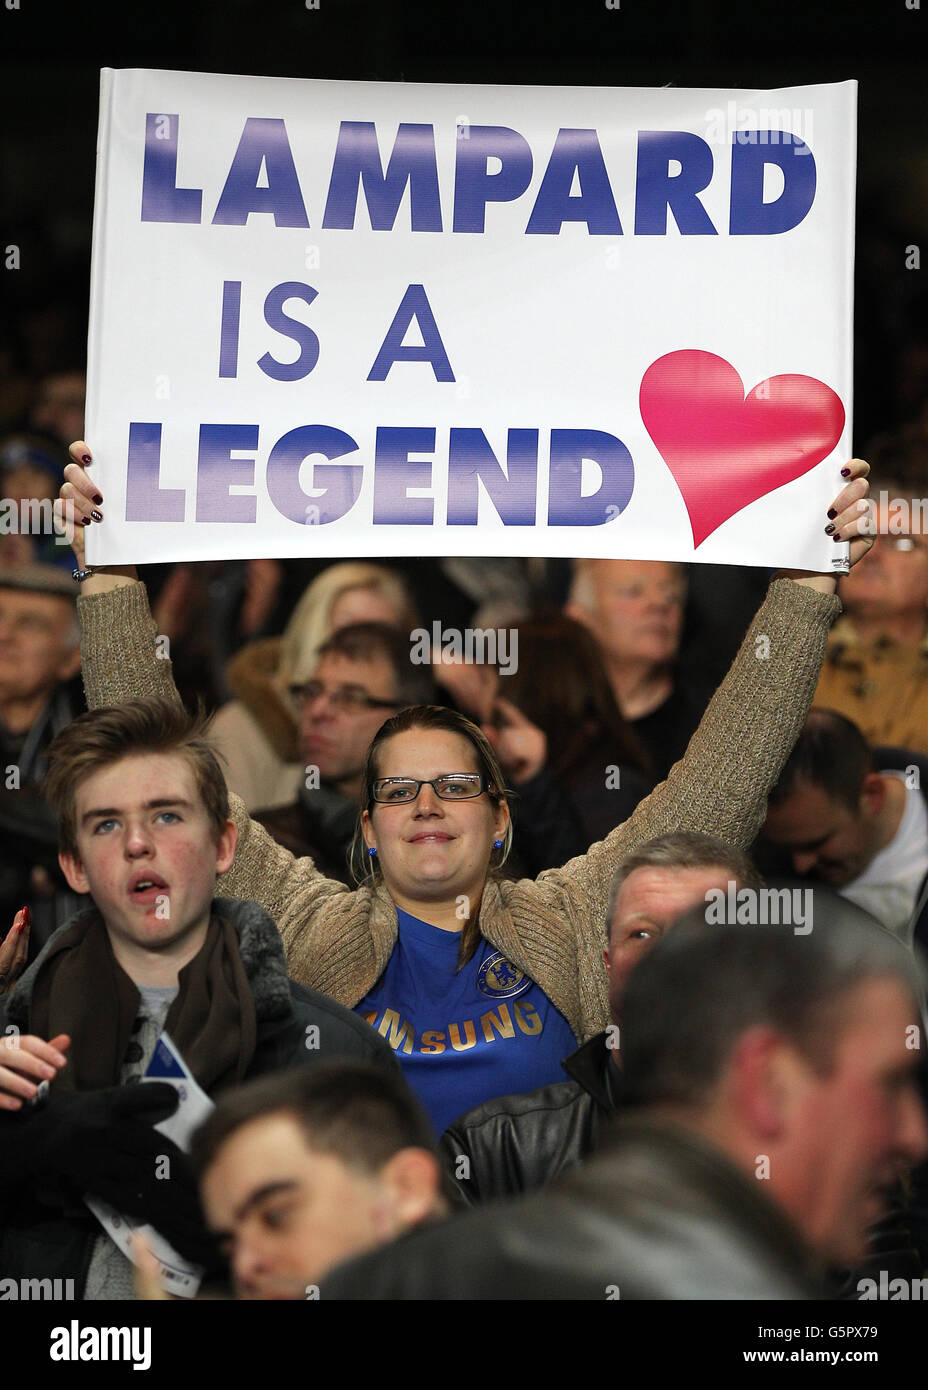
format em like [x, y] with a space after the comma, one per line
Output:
[517, 1143]
[635, 610]
[769, 1100]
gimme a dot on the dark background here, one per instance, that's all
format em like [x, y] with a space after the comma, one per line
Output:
[51, 53]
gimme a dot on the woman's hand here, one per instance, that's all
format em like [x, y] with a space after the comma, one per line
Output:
[25, 1062]
[79, 505]
[848, 519]
[14, 950]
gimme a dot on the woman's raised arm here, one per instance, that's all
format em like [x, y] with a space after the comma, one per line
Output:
[122, 658]
[720, 787]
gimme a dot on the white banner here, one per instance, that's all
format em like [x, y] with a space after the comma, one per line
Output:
[346, 318]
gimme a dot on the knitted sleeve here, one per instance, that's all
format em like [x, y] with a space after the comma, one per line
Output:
[122, 659]
[734, 758]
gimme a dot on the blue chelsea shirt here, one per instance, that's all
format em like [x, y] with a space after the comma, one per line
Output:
[463, 1036]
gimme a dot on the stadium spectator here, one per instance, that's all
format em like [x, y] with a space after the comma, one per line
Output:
[257, 731]
[518, 1143]
[31, 472]
[58, 404]
[303, 1170]
[435, 820]
[876, 664]
[862, 831]
[562, 687]
[361, 673]
[145, 829]
[39, 660]
[634, 609]
[768, 1097]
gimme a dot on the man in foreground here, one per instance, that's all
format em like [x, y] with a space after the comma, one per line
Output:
[301, 1171]
[145, 829]
[769, 1097]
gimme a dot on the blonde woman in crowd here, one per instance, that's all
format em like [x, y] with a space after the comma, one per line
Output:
[256, 732]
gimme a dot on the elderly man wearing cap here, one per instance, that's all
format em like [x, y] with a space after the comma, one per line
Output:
[39, 658]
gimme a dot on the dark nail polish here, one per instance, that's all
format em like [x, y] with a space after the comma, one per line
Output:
[97, 516]
[85, 458]
[99, 500]
[828, 530]
[845, 472]
[836, 537]
[84, 520]
[831, 513]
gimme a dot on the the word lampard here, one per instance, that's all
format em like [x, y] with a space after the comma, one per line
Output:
[672, 168]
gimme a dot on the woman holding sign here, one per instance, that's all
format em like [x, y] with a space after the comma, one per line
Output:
[480, 984]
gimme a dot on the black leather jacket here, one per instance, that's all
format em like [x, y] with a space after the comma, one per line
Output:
[657, 1214]
[516, 1144]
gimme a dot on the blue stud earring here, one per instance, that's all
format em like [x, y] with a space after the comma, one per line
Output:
[497, 844]
[372, 851]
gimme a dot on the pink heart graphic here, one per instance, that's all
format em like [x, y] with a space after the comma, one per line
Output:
[724, 449]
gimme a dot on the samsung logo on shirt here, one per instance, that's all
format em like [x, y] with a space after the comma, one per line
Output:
[494, 1024]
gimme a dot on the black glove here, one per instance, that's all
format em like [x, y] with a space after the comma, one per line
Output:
[79, 1135]
[104, 1143]
[162, 1191]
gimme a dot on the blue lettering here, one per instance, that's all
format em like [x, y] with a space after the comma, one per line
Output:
[394, 472]
[657, 189]
[341, 481]
[146, 500]
[412, 162]
[229, 327]
[300, 332]
[217, 472]
[474, 186]
[566, 505]
[415, 305]
[162, 200]
[471, 461]
[264, 142]
[575, 151]
[750, 154]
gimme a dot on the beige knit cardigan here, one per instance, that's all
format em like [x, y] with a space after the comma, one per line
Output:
[553, 928]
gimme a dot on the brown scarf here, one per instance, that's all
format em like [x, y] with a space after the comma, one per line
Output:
[82, 990]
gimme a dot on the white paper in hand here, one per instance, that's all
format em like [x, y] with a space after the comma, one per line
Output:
[178, 1276]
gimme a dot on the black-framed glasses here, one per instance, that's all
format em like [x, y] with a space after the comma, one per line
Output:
[455, 786]
[343, 697]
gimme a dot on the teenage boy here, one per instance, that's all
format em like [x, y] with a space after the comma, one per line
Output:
[145, 830]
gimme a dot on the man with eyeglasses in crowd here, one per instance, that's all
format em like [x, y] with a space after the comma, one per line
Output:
[363, 675]
[876, 666]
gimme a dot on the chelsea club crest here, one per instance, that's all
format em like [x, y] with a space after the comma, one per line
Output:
[498, 978]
